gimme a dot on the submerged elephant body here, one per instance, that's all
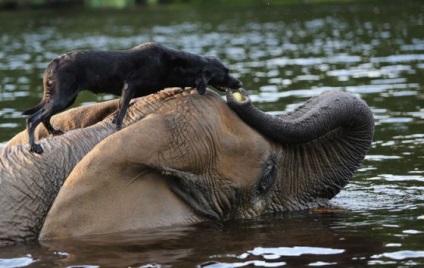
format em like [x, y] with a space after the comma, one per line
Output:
[182, 158]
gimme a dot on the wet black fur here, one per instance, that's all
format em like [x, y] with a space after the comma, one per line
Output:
[136, 72]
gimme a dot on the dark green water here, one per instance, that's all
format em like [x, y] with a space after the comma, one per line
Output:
[283, 55]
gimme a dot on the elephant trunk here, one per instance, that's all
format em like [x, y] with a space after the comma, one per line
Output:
[323, 143]
[314, 119]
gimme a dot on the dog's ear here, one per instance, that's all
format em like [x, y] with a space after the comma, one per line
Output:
[202, 81]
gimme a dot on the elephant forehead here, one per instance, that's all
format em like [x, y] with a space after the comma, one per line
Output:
[207, 136]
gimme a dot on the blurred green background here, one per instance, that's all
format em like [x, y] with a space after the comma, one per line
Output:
[16, 4]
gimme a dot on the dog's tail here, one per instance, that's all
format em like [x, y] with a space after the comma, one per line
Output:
[35, 109]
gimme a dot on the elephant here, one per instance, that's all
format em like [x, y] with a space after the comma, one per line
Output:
[180, 159]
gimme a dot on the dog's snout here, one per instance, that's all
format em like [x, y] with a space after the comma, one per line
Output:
[235, 83]
[239, 84]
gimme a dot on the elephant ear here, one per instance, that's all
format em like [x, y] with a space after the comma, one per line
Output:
[323, 143]
[118, 176]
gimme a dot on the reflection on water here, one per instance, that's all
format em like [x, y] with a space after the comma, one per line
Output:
[295, 239]
[314, 238]
[283, 55]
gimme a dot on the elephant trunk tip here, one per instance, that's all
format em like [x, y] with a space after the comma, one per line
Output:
[238, 98]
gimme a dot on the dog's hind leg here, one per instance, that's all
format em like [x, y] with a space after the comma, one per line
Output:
[53, 107]
[50, 128]
[32, 122]
[127, 94]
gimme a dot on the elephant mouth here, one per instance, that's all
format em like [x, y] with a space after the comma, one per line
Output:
[223, 89]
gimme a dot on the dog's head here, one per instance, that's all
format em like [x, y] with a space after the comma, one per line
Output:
[214, 73]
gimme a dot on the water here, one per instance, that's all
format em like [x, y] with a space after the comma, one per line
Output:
[283, 55]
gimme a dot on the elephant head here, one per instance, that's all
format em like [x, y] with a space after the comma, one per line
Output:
[322, 143]
[184, 158]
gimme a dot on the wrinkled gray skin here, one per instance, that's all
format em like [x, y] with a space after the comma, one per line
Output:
[182, 158]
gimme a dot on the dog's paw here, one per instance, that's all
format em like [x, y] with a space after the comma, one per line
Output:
[201, 91]
[36, 148]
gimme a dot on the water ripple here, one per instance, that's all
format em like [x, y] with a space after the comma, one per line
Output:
[294, 251]
[400, 255]
[271, 254]
[17, 262]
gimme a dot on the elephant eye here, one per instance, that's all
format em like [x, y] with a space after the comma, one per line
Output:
[268, 176]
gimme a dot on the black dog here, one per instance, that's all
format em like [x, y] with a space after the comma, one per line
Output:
[136, 72]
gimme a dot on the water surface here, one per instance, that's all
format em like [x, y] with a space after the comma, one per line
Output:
[283, 55]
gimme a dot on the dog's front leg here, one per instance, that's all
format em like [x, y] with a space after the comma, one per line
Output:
[126, 96]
